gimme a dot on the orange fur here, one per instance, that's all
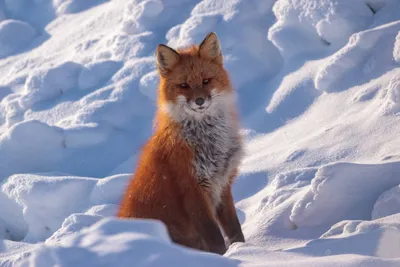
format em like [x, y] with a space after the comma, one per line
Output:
[165, 186]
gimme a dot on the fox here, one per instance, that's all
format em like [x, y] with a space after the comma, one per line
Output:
[186, 169]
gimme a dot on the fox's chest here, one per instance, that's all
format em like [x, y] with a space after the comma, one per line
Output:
[217, 152]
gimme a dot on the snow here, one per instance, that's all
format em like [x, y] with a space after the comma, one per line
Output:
[97, 73]
[387, 203]
[335, 187]
[50, 83]
[396, 49]
[112, 242]
[14, 35]
[73, 6]
[365, 49]
[316, 25]
[318, 86]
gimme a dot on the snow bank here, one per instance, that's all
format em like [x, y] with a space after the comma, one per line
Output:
[120, 243]
[49, 83]
[396, 50]
[391, 97]
[313, 26]
[337, 191]
[39, 196]
[85, 136]
[74, 6]
[243, 43]
[34, 146]
[138, 17]
[31, 198]
[109, 189]
[387, 203]
[379, 242]
[124, 101]
[30, 145]
[368, 54]
[353, 243]
[97, 73]
[14, 36]
[353, 227]
[149, 84]
[4, 91]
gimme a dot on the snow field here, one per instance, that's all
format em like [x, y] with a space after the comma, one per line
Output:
[115, 242]
[33, 197]
[14, 35]
[319, 93]
[364, 49]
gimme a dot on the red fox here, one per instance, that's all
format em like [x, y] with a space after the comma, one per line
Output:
[185, 171]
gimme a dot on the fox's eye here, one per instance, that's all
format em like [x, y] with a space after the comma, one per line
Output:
[184, 85]
[206, 81]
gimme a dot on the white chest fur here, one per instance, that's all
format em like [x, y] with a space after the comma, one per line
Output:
[217, 150]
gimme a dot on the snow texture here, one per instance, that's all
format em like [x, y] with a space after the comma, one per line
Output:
[14, 35]
[147, 242]
[318, 85]
[396, 49]
[387, 203]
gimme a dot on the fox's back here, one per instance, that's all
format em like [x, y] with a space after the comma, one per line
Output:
[155, 190]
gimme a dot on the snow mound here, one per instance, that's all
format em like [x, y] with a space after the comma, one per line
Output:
[72, 225]
[4, 91]
[14, 36]
[243, 45]
[109, 189]
[30, 145]
[124, 100]
[367, 55]
[39, 196]
[377, 243]
[387, 203]
[148, 85]
[315, 25]
[396, 50]
[391, 97]
[85, 136]
[74, 6]
[353, 227]
[49, 83]
[97, 73]
[33, 197]
[337, 191]
[116, 242]
[139, 17]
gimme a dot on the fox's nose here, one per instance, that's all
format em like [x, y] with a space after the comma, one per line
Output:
[199, 101]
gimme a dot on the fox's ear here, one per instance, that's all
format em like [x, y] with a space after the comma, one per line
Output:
[166, 58]
[210, 48]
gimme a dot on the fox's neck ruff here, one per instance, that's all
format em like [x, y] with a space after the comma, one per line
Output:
[214, 138]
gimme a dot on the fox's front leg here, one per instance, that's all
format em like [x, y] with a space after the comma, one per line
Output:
[198, 207]
[227, 217]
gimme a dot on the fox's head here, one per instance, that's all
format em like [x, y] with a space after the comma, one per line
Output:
[193, 81]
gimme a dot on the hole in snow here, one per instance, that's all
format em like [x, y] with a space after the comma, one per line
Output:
[325, 42]
[292, 225]
[370, 7]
